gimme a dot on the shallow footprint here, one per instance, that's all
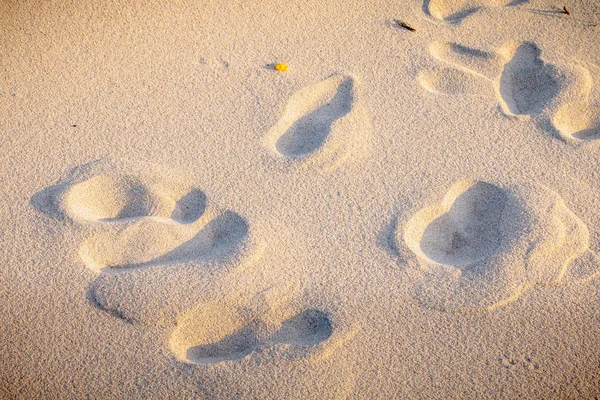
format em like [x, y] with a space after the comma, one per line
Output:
[309, 116]
[523, 83]
[470, 60]
[449, 81]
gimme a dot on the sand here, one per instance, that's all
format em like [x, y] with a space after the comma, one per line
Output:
[400, 214]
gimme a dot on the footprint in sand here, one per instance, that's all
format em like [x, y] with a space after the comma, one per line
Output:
[150, 242]
[141, 216]
[578, 121]
[323, 121]
[454, 11]
[216, 332]
[522, 83]
[117, 198]
[467, 232]
[482, 246]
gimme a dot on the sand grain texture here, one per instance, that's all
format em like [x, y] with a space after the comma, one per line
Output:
[398, 215]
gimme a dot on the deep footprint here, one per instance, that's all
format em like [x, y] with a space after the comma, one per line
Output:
[527, 84]
[467, 231]
[309, 115]
[481, 247]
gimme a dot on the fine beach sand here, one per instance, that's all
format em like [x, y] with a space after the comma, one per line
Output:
[399, 215]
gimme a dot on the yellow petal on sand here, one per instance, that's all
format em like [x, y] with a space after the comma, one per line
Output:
[281, 67]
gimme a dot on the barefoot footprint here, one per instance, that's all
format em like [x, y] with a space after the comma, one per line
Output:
[216, 332]
[141, 216]
[456, 10]
[110, 198]
[306, 329]
[522, 83]
[482, 246]
[322, 121]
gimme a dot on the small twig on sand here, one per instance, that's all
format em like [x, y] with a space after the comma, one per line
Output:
[566, 10]
[404, 26]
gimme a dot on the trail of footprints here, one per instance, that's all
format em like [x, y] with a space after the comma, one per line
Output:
[477, 249]
[140, 216]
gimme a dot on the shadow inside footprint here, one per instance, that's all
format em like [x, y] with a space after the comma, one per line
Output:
[466, 51]
[468, 232]
[137, 205]
[305, 329]
[189, 207]
[223, 235]
[215, 241]
[308, 328]
[454, 11]
[45, 201]
[308, 133]
[527, 84]
[448, 11]
[232, 347]
[460, 15]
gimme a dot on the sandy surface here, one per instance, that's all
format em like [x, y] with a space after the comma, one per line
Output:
[401, 214]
